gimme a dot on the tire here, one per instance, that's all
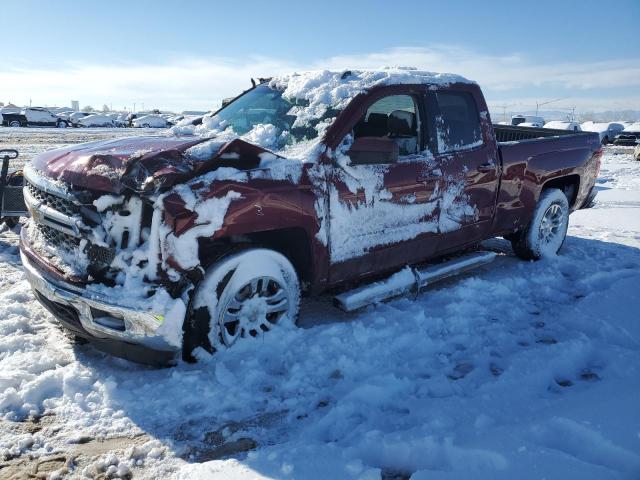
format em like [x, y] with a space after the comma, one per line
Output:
[245, 294]
[145, 125]
[605, 141]
[547, 230]
[14, 123]
[61, 124]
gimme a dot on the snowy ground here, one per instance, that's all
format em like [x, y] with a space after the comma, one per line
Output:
[520, 370]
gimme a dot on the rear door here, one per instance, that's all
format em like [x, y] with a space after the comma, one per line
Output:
[467, 155]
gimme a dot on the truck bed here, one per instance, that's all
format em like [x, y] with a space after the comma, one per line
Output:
[509, 133]
[529, 156]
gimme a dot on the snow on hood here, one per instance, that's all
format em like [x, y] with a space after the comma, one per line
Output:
[634, 127]
[145, 164]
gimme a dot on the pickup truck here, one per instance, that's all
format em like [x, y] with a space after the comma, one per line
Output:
[151, 247]
[33, 117]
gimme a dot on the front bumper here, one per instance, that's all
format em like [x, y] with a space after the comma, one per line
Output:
[115, 329]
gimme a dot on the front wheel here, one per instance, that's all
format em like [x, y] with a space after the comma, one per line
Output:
[245, 295]
[62, 124]
[545, 235]
[15, 123]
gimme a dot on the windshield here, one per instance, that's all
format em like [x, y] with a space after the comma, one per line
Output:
[265, 105]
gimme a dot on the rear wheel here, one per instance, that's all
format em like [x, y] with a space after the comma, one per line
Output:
[245, 295]
[15, 123]
[545, 235]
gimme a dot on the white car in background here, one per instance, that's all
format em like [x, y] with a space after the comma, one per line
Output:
[530, 124]
[606, 130]
[76, 116]
[533, 120]
[150, 121]
[96, 120]
[563, 125]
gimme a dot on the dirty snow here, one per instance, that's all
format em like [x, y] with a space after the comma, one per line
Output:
[518, 370]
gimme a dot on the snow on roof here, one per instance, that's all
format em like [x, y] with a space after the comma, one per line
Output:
[323, 88]
[312, 94]
[561, 124]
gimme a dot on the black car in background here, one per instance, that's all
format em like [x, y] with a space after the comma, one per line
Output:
[33, 117]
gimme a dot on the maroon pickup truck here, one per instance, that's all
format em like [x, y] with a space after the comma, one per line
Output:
[152, 246]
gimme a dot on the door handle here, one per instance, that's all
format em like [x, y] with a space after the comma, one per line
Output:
[428, 178]
[487, 167]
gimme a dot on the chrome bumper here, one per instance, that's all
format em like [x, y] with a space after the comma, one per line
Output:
[99, 317]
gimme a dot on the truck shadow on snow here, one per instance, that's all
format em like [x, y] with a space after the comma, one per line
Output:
[266, 393]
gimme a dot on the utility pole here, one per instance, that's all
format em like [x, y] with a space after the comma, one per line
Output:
[504, 110]
[539, 104]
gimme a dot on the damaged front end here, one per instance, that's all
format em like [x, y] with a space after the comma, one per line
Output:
[112, 249]
[93, 260]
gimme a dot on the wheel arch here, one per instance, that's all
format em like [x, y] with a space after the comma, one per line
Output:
[292, 242]
[568, 184]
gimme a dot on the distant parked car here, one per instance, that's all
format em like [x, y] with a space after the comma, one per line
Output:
[75, 117]
[96, 120]
[563, 125]
[150, 121]
[518, 120]
[33, 117]
[606, 130]
[630, 136]
[530, 125]
[65, 115]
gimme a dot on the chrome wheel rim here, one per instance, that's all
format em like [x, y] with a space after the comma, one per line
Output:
[253, 309]
[551, 225]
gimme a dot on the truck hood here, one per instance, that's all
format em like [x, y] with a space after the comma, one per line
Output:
[142, 164]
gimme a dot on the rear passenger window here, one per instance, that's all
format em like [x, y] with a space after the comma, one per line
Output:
[393, 117]
[458, 122]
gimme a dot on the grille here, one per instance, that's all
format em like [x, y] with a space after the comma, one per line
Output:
[60, 204]
[58, 238]
[100, 255]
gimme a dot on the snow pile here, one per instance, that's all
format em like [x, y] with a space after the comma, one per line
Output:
[210, 216]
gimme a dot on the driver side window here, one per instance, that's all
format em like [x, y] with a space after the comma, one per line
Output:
[394, 117]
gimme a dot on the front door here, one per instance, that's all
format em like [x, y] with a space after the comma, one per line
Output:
[380, 208]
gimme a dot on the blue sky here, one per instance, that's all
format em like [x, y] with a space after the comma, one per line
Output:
[190, 54]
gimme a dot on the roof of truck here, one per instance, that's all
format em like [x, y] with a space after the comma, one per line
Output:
[321, 89]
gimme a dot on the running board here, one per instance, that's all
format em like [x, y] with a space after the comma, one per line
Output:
[410, 279]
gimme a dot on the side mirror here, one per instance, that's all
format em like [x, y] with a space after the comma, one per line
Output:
[373, 150]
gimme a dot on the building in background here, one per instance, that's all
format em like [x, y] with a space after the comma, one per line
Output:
[75, 105]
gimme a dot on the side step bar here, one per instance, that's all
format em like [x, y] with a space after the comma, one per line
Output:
[410, 279]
